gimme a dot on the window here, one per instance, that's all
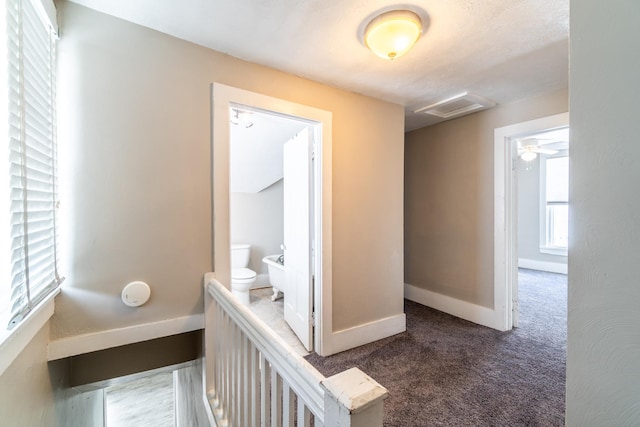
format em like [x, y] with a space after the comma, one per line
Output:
[29, 125]
[555, 224]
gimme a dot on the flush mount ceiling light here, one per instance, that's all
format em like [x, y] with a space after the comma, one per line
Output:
[391, 34]
[241, 118]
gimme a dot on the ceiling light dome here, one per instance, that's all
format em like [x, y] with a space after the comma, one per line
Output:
[391, 34]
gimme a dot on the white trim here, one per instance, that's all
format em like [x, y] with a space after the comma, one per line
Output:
[550, 250]
[223, 97]
[80, 344]
[47, 11]
[349, 338]
[459, 308]
[506, 214]
[13, 342]
[551, 267]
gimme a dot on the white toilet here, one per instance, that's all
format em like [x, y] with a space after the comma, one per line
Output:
[241, 277]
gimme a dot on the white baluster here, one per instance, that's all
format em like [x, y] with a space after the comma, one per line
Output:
[219, 361]
[235, 369]
[255, 386]
[288, 405]
[224, 349]
[304, 415]
[230, 375]
[239, 377]
[276, 399]
[238, 373]
[246, 381]
[265, 392]
[215, 357]
[259, 380]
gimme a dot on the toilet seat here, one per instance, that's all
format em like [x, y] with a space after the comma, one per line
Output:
[242, 275]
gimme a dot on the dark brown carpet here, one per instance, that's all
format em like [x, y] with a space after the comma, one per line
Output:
[445, 371]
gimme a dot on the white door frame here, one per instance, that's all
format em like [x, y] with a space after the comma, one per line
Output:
[506, 213]
[224, 97]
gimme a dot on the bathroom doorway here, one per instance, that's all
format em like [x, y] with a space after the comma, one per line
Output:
[271, 208]
[308, 299]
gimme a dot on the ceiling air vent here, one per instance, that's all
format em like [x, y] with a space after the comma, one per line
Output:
[457, 106]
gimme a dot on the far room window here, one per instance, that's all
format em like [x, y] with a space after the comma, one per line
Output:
[555, 219]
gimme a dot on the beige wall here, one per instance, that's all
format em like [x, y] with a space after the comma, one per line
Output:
[26, 392]
[603, 346]
[135, 145]
[34, 393]
[449, 199]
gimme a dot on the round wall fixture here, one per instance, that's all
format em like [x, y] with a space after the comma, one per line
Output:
[136, 293]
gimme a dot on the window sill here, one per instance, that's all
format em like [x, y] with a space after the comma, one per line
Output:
[554, 251]
[13, 342]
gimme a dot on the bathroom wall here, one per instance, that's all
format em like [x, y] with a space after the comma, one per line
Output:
[135, 149]
[529, 214]
[449, 199]
[258, 219]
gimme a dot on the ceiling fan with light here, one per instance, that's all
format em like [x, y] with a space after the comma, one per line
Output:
[529, 148]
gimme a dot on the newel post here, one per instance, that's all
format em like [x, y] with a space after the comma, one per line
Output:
[353, 399]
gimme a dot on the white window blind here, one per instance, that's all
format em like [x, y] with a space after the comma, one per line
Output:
[32, 155]
[557, 205]
[557, 169]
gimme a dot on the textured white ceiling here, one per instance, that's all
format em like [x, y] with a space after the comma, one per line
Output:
[504, 50]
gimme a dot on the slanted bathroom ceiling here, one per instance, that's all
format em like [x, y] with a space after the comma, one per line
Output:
[256, 151]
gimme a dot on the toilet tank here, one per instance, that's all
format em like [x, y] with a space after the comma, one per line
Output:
[240, 254]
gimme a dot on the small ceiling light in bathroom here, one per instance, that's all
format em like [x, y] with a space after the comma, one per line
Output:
[391, 34]
[241, 118]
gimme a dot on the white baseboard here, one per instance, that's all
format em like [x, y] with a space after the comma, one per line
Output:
[356, 336]
[465, 310]
[86, 343]
[551, 267]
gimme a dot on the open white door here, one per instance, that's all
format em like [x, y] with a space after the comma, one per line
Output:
[298, 285]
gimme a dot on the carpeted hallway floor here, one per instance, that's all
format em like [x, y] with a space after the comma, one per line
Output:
[445, 371]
